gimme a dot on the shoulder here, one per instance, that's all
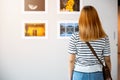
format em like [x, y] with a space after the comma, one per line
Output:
[104, 41]
[106, 38]
[75, 35]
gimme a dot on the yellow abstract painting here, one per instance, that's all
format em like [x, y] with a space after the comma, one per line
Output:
[35, 29]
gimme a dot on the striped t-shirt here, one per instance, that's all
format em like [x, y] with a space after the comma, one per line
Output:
[85, 60]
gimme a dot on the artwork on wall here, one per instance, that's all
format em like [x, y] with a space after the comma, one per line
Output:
[67, 28]
[69, 6]
[35, 29]
[39, 29]
[35, 5]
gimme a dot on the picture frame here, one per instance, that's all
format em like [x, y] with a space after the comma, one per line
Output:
[66, 29]
[35, 30]
[68, 6]
[35, 6]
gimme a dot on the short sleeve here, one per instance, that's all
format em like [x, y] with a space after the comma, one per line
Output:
[106, 50]
[72, 45]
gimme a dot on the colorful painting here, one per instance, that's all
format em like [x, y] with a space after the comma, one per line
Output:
[69, 5]
[35, 30]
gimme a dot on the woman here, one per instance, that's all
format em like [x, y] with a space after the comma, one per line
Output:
[83, 65]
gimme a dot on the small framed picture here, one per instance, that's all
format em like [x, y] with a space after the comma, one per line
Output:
[68, 6]
[67, 28]
[35, 5]
[34, 29]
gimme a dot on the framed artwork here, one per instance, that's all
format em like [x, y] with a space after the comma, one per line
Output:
[67, 28]
[68, 6]
[35, 5]
[35, 29]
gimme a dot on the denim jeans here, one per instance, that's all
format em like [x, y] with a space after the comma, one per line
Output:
[87, 76]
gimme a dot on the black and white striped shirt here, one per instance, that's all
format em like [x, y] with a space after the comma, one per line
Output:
[84, 56]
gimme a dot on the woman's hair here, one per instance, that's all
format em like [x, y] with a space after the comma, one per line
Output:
[90, 27]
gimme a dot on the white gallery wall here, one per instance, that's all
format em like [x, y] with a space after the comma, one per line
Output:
[45, 58]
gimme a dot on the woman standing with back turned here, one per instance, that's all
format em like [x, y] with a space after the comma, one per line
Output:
[83, 65]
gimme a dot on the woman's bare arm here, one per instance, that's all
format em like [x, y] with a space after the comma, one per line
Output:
[71, 65]
[108, 61]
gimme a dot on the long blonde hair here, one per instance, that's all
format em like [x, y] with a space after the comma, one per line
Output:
[90, 27]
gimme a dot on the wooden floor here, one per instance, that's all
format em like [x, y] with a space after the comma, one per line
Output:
[119, 66]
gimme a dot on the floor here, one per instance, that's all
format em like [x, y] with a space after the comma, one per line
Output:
[119, 66]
